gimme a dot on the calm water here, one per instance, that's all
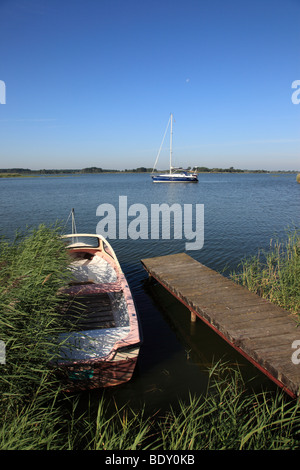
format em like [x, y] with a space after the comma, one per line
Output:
[242, 212]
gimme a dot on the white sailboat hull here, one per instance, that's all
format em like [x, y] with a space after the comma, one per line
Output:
[175, 178]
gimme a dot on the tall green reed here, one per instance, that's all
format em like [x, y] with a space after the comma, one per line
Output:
[275, 274]
[32, 269]
[228, 417]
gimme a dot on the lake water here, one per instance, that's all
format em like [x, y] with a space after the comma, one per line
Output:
[242, 212]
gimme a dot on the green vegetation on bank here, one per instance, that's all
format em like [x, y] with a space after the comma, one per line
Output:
[32, 269]
[275, 274]
[91, 170]
[10, 175]
[14, 172]
[36, 415]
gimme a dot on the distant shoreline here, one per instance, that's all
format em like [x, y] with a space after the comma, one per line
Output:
[26, 172]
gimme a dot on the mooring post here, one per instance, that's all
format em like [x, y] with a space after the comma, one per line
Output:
[193, 316]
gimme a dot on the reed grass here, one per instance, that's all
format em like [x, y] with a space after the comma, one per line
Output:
[230, 418]
[123, 429]
[226, 417]
[32, 269]
[275, 274]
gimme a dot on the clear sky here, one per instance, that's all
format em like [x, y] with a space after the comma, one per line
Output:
[93, 82]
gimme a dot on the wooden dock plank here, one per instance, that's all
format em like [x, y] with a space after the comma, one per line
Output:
[261, 331]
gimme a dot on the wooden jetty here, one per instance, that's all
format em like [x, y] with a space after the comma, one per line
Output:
[259, 330]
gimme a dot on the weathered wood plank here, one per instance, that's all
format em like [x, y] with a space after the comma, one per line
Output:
[258, 329]
[90, 312]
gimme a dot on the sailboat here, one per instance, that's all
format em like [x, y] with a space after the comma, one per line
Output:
[175, 175]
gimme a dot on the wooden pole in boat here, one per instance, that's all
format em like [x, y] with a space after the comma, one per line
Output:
[73, 222]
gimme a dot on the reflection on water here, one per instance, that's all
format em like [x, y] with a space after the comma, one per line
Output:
[176, 357]
[241, 214]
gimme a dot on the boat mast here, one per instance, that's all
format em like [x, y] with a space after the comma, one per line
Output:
[171, 135]
[73, 222]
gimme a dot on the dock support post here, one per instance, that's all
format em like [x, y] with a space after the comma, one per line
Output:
[193, 316]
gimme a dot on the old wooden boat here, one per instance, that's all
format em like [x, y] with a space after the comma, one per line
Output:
[103, 347]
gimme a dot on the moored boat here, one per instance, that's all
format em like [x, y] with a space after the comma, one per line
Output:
[175, 175]
[182, 177]
[103, 346]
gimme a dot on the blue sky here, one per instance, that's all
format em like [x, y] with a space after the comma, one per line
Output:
[93, 82]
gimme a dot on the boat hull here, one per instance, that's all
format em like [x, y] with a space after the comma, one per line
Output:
[81, 376]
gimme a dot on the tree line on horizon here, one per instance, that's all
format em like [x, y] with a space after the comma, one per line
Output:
[142, 169]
